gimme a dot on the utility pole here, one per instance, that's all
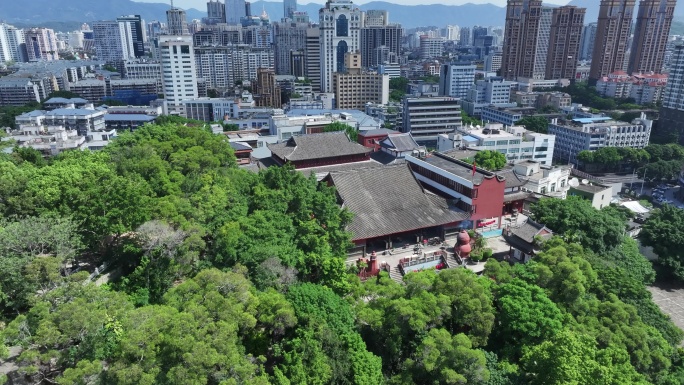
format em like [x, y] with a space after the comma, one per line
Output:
[643, 180]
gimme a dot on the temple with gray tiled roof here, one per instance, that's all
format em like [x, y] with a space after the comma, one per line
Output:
[316, 150]
[522, 239]
[389, 202]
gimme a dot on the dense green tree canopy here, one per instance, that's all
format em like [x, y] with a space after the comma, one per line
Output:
[578, 221]
[222, 276]
[490, 160]
[351, 132]
[538, 124]
[664, 231]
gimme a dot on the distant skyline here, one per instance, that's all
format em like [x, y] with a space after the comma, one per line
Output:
[202, 4]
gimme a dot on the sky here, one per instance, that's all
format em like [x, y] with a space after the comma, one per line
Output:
[202, 4]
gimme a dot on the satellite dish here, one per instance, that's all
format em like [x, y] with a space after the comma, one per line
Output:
[574, 182]
[585, 181]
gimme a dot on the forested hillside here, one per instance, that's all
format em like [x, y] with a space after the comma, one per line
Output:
[223, 276]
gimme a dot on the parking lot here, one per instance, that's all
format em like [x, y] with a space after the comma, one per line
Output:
[664, 194]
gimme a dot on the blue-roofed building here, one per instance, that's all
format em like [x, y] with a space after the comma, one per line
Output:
[127, 122]
[576, 135]
[54, 103]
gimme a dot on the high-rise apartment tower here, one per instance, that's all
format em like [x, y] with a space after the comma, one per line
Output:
[651, 33]
[520, 38]
[612, 35]
[564, 42]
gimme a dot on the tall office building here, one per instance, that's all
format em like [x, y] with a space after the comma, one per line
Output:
[134, 26]
[431, 47]
[340, 24]
[564, 42]
[479, 34]
[520, 38]
[113, 41]
[426, 118]
[177, 22]
[543, 35]
[216, 12]
[179, 78]
[588, 37]
[456, 79]
[288, 36]
[12, 46]
[313, 57]
[235, 10]
[671, 122]
[452, 32]
[221, 66]
[464, 38]
[354, 88]
[289, 8]
[653, 23]
[612, 35]
[41, 44]
[376, 33]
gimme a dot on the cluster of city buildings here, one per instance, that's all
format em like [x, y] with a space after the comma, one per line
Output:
[279, 81]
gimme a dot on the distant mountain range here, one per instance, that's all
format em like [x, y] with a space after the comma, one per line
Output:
[66, 14]
[83, 11]
[73, 12]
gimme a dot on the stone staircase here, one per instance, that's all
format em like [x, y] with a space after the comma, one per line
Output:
[451, 261]
[396, 275]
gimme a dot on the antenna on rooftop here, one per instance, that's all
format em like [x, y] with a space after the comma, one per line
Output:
[172, 7]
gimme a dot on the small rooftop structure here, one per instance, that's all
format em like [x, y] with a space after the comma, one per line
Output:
[522, 239]
[592, 120]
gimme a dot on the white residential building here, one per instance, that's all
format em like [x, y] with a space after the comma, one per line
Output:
[113, 41]
[302, 122]
[515, 142]
[340, 25]
[544, 179]
[491, 91]
[52, 132]
[222, 66]
[643, 89]
[456, 79]
[178, 71]
[76, 39]
[11, 40]
[431, 47]
[573, 136]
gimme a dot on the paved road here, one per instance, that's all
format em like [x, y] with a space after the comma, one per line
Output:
[670, 299]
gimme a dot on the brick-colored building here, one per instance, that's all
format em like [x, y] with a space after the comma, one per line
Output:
[487, 196]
